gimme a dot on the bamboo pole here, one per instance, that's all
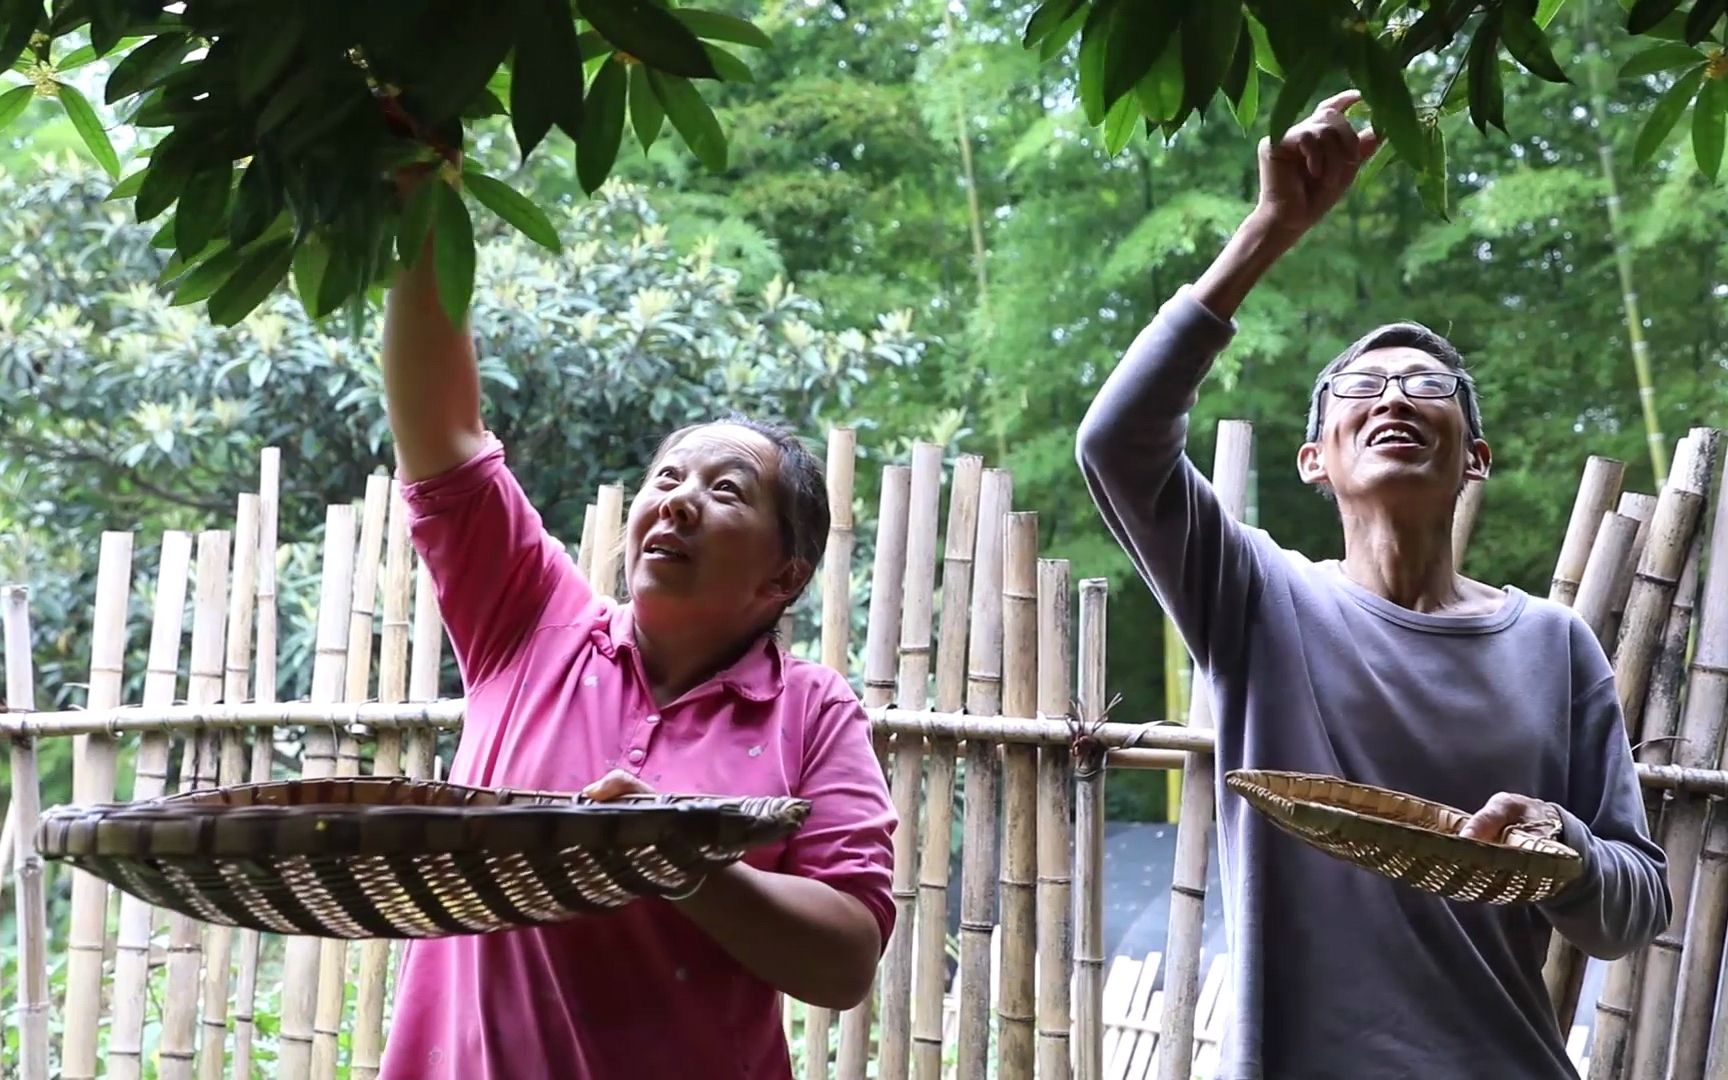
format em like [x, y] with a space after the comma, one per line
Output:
[370, 993]
[1658, 577]
[1055, 826]
[32, 913]
[425, 658]
[1089, 835]
[302, 955]
[1232, 454]
[913, 690]
[150, 777]
[608, 540]
[585, 552]
[231, 769]
[1612, 550]
[983, 779]
[1017, 994]
[887, 589]
[263, 742]
[1683, 822]
[836, 641]
[1706, 909]
[930, 972]
[93, 765]
[1662, 702]
[1464, 519]
[1701, 953]
[179, 1042]
[1641, 508]
[357, 679]
[1597, 492]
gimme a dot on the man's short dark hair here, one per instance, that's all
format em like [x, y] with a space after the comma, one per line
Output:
[1399, 335]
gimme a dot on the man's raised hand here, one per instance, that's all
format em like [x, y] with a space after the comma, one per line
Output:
[1306, 172]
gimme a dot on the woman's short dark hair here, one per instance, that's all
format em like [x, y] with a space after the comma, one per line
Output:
[801, 487]
[1399, 335]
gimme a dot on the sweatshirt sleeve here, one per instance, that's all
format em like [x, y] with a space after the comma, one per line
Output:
[1132, 450]
[1621, 902]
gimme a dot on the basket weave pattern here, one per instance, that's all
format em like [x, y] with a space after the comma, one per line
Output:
[1408, 839]
[397, 858]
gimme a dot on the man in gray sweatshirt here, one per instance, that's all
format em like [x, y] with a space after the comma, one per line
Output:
[1386, 667]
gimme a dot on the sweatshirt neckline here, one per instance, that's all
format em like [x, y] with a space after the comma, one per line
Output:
[1484, 623]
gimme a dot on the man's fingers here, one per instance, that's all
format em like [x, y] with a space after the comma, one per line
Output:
[1338, 102]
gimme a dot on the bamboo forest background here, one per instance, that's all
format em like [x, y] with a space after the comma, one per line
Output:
[918, 235]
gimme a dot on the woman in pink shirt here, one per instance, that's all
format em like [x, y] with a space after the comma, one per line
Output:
[682, 689]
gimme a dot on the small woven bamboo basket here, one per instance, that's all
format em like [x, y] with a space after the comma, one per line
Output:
[396, 858]
[1409, 839]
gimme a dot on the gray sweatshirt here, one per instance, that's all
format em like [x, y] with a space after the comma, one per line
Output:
[1336, 972]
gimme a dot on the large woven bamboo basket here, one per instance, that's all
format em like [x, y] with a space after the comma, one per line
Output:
[395, 858]
[1409, 839]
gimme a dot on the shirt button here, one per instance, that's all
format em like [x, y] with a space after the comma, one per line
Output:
[653, 718]
[636, 755]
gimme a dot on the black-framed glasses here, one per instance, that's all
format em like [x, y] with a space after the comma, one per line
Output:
[1414, 384]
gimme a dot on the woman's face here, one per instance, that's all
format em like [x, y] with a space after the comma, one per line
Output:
[703, 536]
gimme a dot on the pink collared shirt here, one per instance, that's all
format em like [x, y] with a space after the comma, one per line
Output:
[556, 699]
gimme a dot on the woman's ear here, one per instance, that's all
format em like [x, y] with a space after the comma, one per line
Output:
[794, 575]
[1309, 466]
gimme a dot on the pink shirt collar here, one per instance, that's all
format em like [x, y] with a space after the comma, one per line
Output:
[758, 675]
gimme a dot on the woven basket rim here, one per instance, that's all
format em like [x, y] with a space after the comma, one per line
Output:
[228, 831]
[1533, 846]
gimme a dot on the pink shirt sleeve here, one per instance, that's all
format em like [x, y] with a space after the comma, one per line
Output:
[498, 574]
[847, 842]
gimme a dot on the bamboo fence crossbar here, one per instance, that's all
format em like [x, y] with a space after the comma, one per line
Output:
[982, 673]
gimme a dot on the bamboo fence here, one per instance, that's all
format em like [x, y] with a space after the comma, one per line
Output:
[983, 673]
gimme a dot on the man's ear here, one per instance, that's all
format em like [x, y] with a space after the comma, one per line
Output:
[1309, 466]
[1477, 461]
[785, 586]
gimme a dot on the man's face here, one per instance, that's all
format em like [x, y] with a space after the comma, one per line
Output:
[1393, 428]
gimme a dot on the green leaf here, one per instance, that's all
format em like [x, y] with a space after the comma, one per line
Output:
[203, 204]
[1094, 52]
[1294, 95]
[713, 26]
[1703, 18]
[1119, 124]
[1246, 109]
[1049, 17]
[1487, 94]
[692, 117]
[126, 188]
[89, 128]
[1432, 179]
[1546, 11]
[21, 18]
[74, 60]
[141, 68]
[651, 34]
[310, 263]
[1645, 14]
[646, 112]
[1263, 54]
[161, 185]
[452, 251]
[1136, 38]
[108, 21]
[513, 207]
[1389, 98]
[603, 125]
[1664, 57]
[265, 52]
[293, 93]
[1241, 62]
[257, 202]
[204, 278]
[253, 280]
[1529, 46]
[1055, 43]
[415, 221]
[1209, 35]
[1664, 115]
[1709, 124]
[1159, 92]
[546, 76]
[13, 102]
[730, 67]
[337, 283]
